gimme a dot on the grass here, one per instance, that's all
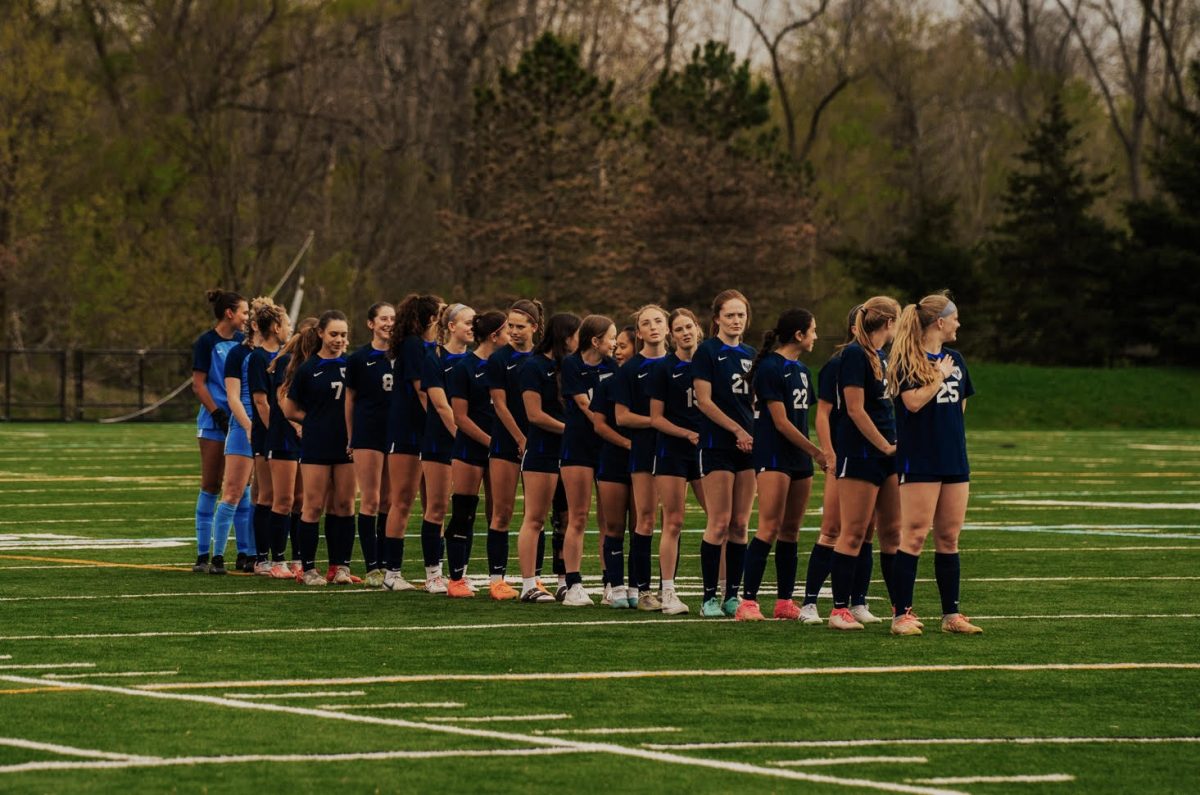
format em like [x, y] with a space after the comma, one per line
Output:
[1041, 565]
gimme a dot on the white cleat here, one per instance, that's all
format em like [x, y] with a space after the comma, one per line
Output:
[606, 600]
[436, 584]
[618, 597]
[672, 606]
[863, 616]
[576, 596]
[314, 578]
[809, 615]
[394, 581]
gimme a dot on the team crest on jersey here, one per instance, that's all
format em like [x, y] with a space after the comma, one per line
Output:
[804, 379]
[343, 371]
[956, 374]
[746, 365]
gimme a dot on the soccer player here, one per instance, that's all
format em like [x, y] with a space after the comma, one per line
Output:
[274, 328]
[720, 371]
[632, 397]
[582, 373]
[369, 381]
[471, 402]
[510, 429]
[316, 398]
[539, 465]
[212, 421]
[783, 458]
[612, 481]
[413, 336]
[932, 384]
[865, 441]
[674, 415]
[283, 448]
[436, 445]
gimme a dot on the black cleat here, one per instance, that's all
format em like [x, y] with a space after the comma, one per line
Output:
[201, 566]
[218, 565]
[240, 565]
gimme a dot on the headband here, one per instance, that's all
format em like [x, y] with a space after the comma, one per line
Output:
[949, 310]
[453, 310]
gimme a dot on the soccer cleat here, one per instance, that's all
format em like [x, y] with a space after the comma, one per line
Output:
[459, 589]
[786, 610]
[218, 565]
[618, 599]
[748, 611]
[240, 565]
[863, 615]
[538, 596]
[472, 587]
[648, 602]
[905, 624]
[314, 578]
[958, 624]
[393, 580]
[631, 597]
[809, 615]
[606, 600]
[540, 587]
[729, 606]
[262, 568]
[560, 593]
[342, 576]
[841, 618]
[280, 571]
[435, 584]
[711, 609]
[297, 568]
[501, 591]
[576, 596]
[201, 566]
[374, 578]
[672, 606]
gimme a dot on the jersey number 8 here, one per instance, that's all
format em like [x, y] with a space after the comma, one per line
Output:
[387, 382]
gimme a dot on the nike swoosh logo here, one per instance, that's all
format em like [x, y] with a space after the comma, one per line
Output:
[677, 375]
[372, 364]
[510, 367]
[642, 375]
[479, 375]
[722, 358]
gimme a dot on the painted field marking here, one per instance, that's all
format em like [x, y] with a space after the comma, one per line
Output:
[1145, 506]
[1082, 530]
[922, 741]
[668, 674]
[100, 563]
[5, 656]
[614, 730]
[23, 690]
[551, 742]
[852, 760]
[188, 761]
[110, 675]
[68, 750]
[141, 520]
[1033, 779]
[192, 594]
[1184, 448]
[44, 666]
[497, 718]
[393, 705]
[305, 694]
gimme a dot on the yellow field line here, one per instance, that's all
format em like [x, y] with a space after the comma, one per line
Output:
[34, 690]
[101, 563]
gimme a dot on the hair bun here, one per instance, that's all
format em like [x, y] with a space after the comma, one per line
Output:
[214, 294]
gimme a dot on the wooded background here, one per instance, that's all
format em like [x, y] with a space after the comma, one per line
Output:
[1040, 158]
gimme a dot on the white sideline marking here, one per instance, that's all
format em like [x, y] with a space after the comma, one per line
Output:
[44, 666]
[323, 694]
[152, 761]
[497, 718]
[925, 741]
[550, 742]
[392, 705]
[28, 522]
[187, 594]
[68, 750]
[1183, 448]
[5, 656]
[670, 674]
[616, 730]
[852, 760]
[1085, 530]
[1046, 778]
[123, 674]
[1147, 506]
[71, 504]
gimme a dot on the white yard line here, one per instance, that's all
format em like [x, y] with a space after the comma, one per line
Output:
[669, 674]
[110, 675]
[44, 666]
[613, 730]
[852, 760]
[306, 694]
[1032, 779]
[550, 742]
[392, 705]
[857, 743]
[189, 594]
[1137, 506]
[497, 718]
[68, 750]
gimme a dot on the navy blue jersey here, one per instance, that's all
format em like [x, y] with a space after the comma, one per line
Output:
[406, 415]
[827, 390]
[725, 367]
[504, 372]
[540, 374]
[281, 435]
[671, 382]
[855, 370]
[260, 381]
[603, 403]
[319, 388]
[933, 441]
[632, 390]
[237, 365]
[468, 380]
[580, 440]
[208, 357]
[779, 379]
[435, 372]
[369, 374]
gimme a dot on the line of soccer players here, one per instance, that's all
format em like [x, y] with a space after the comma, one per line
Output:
[444, 400]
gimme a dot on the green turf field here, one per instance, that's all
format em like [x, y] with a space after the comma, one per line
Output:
[122, 671]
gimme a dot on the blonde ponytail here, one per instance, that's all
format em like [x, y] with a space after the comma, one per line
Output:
[872, 316]
[908, 360]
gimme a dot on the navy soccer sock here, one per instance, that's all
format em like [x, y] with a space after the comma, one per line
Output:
[541, 553]
[904, 577]
[367, 540]
[843, 574]
[394, 550]
[614, 560]
[735, 557]
[309, 535]
[639, 555]
[380, 534]
[820, 563]
[862, 574]
[459, 531]
[294, 535]
[262, 532]
[947, 570]
[787, 557]
[431, 544]
[710, 568]
[497, 552]
[887, 563]
[279, 535]
[756, 554]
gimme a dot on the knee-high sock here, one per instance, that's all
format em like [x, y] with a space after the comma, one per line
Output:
[431, 543]
[309, 536]
[458, 532]
[735, 556]
[279, 535]
[710, 568]
[820, 563]
[614, 560]
[862, 575]
[497, 553]
[243, 533]
[639, 551]
[262, 531]
[223, 520]
[756, 555]
[206, 504]
[394, 552]
[380, 535]
[843, 578]
[294, 535]
[947, 570]
[904, 578]
[367, 540]
[787, 556]
[887, 562]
